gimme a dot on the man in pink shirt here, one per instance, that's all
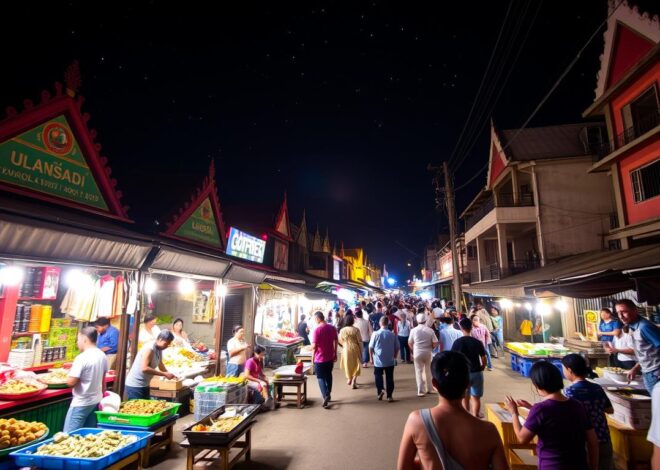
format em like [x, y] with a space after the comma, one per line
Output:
[324, 344]
[480, 332]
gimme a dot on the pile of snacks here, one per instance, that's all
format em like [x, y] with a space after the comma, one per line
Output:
[15, 432]
[220, 425]
[89, 446]
[226, 380]
[14, 386]
[56, 377]
[143, 407]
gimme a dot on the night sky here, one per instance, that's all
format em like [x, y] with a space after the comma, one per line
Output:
[341, 105]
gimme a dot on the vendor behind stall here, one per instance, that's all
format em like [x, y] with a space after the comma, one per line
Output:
[148, 331]
[107, 340]
[180, 336]
[87, 378]
[237, 349]
[148, 363]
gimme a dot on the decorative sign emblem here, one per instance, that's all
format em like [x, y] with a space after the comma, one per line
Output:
[243, 245]
[57, 138]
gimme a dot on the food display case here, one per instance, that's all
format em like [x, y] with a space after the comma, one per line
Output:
[247, 413]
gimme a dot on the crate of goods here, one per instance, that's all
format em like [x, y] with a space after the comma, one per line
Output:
[210, 397]
[142, 413]
[631, 408]
[222, 425]
[83, 449]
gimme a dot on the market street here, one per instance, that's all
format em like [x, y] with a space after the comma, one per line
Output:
[294, 439]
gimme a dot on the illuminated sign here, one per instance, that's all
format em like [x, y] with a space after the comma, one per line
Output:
[245, 246]
[336, 270]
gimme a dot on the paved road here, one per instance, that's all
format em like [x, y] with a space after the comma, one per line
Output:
[358, 431]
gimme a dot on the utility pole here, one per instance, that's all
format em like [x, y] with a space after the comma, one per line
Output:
[448, 191]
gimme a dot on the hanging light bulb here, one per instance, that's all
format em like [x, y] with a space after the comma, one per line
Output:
[186, 286]
[11, 275]
[222, 290]
[150, 286]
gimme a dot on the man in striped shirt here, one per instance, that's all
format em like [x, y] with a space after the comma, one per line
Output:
[482, 334]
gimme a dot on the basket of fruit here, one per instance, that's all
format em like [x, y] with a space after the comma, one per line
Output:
[16, 434]
[221, 426]
[15, 389]
[55, 379]
[139, 413]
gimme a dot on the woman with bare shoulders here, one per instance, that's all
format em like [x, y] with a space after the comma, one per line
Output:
[443, 437]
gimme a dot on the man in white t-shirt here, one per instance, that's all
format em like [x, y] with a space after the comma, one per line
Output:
[622, 345]
[87, 378]
[237, 349]
[422, 340]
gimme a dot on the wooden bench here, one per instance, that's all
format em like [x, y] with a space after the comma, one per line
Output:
[208, 455]
[299, 395]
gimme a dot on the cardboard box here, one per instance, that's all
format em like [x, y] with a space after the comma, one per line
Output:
[630, 411]
[161, 383]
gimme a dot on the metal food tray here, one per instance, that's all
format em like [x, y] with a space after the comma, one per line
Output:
[9, 450]
[26, 457]
[200, 438]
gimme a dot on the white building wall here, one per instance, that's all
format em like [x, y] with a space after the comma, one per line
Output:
[575, 206]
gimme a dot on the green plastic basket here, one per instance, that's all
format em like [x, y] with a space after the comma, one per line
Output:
[143, 421]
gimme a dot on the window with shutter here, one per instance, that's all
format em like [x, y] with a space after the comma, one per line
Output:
[233, 315]
[646, 181]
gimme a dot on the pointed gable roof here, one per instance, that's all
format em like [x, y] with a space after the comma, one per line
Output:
[282, 221]
[302, 232]
[326, 242]
[200, 221]
[47, 152]
[317, 247]
[497, 161]
[629, 36]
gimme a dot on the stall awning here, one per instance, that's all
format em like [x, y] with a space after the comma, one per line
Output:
[588, 275]
[310, 292]
[61, 238]
[171, 260]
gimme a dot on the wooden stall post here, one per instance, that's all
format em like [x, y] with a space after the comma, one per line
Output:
[219, 320]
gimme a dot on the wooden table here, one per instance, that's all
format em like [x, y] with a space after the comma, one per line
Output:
[132, 461]
[162, 439]
[501, 418]
[300, 394]
[631, 449]
[211, 454]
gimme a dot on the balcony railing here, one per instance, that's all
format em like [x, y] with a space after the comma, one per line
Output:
[641, 127]
[614, 220]
[525, 199]
[493, 272]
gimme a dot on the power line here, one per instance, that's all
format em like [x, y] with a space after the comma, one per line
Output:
[488, 112]
[473, 177]
[483, 80]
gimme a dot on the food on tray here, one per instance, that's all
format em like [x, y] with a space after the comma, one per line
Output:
[14, 386]
[616, 370]
[227, 380]
[143, 407]
[15, 432]
[56, 377]
[220, 425]
[180, 358]
[90, 446]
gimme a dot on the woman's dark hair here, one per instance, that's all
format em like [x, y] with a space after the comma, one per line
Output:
[578, 365]
[370, 307]
[258, 349]
[165, 335]
[451, 373]
[421, 310]
[606, 310]
[358, 313]
[393, 310]
[148, 318]
[90, 333]
[235, 329]
[177, 320]
[349, 320]
[465, 324]
[319, 314]
[545, 376]
[349, 312]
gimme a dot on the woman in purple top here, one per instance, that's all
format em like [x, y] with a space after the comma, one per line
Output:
[561, 424]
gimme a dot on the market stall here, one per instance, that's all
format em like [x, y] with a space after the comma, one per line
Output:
[279, 310]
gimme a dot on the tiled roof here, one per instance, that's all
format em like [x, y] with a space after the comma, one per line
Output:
[545, 142]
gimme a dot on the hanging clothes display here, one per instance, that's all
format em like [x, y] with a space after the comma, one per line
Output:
[78, 301]
[103, 305]
[132, 297]
[118, 296]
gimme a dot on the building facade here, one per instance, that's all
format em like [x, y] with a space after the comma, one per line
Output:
[627, 96]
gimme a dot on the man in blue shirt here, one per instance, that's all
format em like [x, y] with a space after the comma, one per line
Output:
[646, 342]
[383, 348]
[107, 340]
